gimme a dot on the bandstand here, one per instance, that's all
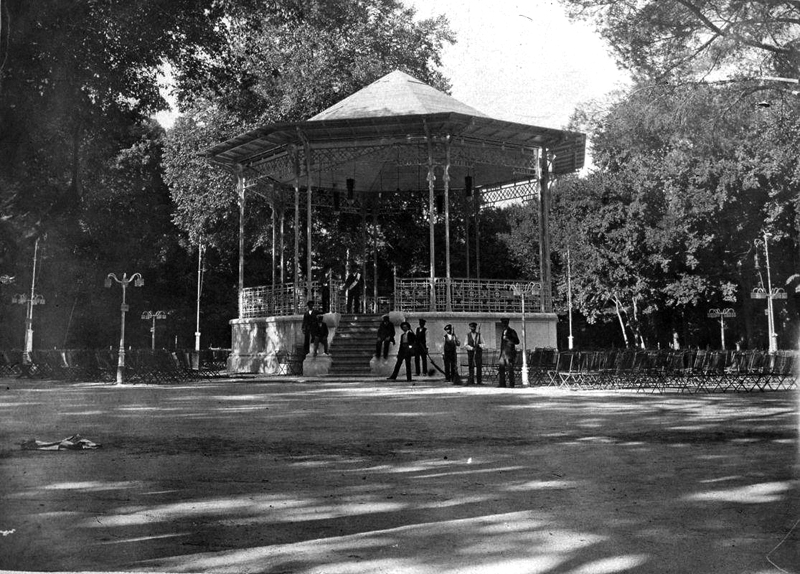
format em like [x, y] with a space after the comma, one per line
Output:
[395, 134]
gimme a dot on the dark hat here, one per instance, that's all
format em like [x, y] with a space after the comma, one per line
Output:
[505, 320]
[405, 324]
[422, 321]
[448, 327]
[473, 324]
[310, 304]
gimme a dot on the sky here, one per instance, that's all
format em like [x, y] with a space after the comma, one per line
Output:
[523, 61]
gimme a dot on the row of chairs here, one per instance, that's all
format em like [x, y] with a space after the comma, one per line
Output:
[540, 360]
[142, 366]
[692, 371]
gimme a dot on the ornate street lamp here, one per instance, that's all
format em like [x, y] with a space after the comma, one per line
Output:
[147, 315]
[138, 281]
[570, 338]
[521, 290]
[34, 299]
[23, 299]
[769, 295]
[200, 269]
[721, 314]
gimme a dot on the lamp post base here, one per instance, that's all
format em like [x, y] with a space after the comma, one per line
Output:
[120, 366]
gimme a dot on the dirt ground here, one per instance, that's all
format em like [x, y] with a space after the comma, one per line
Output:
[342, 476]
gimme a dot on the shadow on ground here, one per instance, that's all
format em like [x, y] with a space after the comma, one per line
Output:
[371, 477]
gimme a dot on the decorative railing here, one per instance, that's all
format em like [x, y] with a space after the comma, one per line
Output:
[410, 295]
[466, 295]
[281, 300]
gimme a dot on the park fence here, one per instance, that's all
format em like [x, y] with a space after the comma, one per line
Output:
[142, 366]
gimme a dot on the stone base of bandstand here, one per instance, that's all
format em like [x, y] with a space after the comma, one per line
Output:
[274, 346]
[317, 366]
[264, 345]
[381, 367]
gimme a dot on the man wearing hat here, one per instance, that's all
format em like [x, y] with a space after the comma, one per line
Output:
[385, 336]
[508, 353]
[352, 287]
[321, 336]
[421, 347]
[404, 351]
[308, 326]
[451, 343]
[474, 345]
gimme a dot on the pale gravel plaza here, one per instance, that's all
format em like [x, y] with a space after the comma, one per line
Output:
[364, 476]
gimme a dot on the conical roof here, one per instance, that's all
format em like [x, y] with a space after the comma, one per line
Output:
[398, 114]
[395, 94]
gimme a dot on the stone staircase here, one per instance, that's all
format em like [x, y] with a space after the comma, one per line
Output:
[353, 345]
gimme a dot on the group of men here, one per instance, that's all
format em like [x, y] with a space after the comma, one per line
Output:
[315, 330]
[414, 344]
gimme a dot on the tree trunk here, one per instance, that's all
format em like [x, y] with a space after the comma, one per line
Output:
[621, 322]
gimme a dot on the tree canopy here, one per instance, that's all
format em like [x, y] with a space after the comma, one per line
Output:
[690, 171]
[679, 40]
[665, 226]
[287, 64]
[85, 170]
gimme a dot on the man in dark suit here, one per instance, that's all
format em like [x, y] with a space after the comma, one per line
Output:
[326, 294]
[474, 345]
[353, 286]
[421, 348]
[405, 350]
[321, 336]
[450, 346]
[385, 336]
[309, 324]
[508, 353]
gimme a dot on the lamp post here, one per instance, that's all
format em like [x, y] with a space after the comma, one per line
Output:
[769, 295]
[147, 315]
[721, 314]
[24, 299]
[520, 290]
[200, 252]
[34, 299]
[570, 338]
[138, 281]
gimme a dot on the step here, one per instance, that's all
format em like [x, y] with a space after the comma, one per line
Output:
[353, 344]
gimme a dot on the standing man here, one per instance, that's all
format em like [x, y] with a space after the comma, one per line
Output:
[352, 286]
[421, 348]
[474, 345]
[326, 293]
[404, 351]
[451, 343]
[309, 324]
[321, 336]
[508, 353]
[385, 336]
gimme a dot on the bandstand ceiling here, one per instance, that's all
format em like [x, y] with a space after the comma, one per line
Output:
[382, 137]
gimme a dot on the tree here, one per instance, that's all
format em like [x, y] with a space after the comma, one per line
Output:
[675, 40]
[287, 63]
[79, 158]
[80, 163]
[680, 195]
[72, 76]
